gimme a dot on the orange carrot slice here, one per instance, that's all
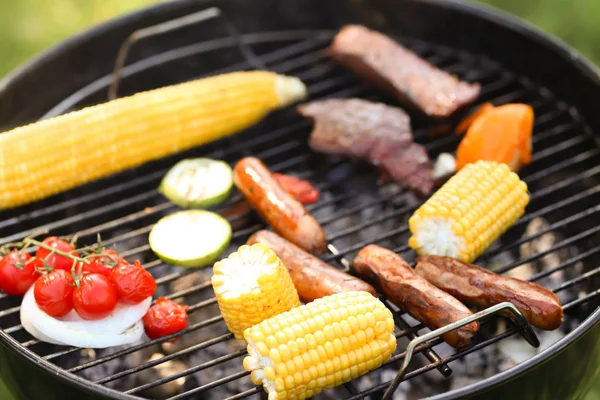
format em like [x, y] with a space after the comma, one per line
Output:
[469, 119]
[501, 134]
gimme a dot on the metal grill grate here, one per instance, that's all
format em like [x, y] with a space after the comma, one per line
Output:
[354, 208]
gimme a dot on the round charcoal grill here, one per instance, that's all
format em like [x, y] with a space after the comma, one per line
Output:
[554, 244]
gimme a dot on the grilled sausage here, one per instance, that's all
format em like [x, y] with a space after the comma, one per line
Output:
[312, 277]
[482, 288]
[413, 294]
[286, 215]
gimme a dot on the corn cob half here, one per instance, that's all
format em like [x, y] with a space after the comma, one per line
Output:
[252, 285]
[320, 345]
[54, 155]
[469, 212]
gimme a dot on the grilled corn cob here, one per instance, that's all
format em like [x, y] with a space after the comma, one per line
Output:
[54, 155]
[252, 285]
[318, 346]
[469, 212]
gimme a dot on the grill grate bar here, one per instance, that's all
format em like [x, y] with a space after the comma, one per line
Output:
[579, 279]
[408, 332]
[552, 249]
[140, 346]
[566, 264]
[584, 299]
[429, 367]
[163, 359]
[208, 386]
[521, 221]
[101, 193]
[189, 371]
[239, 353]
[245, 394]
[573, 218]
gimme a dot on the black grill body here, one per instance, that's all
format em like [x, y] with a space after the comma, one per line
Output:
[512, 61]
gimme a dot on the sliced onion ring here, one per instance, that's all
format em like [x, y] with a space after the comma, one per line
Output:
[122, 327]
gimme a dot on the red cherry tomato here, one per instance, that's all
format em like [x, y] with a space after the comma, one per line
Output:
[54, 293]
[164, 318]
[133, 283]
[103, 265]
[57, 261]
[301, 189]
[95, 298]
[17, 273]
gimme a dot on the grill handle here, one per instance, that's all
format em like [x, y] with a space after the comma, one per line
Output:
[526, 331]
[174, 24]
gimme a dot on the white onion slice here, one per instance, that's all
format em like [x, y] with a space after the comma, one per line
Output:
[122, 317]
[26, 322]
[123, 326]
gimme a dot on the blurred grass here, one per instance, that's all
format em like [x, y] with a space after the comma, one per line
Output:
[29, 26]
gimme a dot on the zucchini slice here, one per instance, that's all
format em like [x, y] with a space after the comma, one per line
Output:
[190, 238]
[197, 183]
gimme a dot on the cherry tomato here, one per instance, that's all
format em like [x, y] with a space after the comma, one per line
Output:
[95, 298]
[103, 265]
[17, 273]
[54, 293]
[57, 261]
[302, 190]
[133, 283]
[164, 318]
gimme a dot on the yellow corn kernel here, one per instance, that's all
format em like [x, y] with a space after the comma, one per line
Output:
[252, 285]
[321, 364]
[496, 198]
[51, 156]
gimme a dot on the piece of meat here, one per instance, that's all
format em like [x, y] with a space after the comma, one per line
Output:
[371, 131]
[413, 294]
[482, 288]
[301, 189]
[286, 215]
[312, 277]
[386, 64]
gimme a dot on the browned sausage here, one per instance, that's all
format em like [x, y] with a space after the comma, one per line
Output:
[413, 294]
[312, 277]
[482, 288]
[286, 215]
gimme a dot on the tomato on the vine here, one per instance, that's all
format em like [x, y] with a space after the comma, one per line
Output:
[56, 261]
[94, 297]
[164, 318]
[132, 282]
[17, 273]
[103, 265]
[54, 293]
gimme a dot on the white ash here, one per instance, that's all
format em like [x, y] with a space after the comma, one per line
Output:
[160, 371]
[111, 367]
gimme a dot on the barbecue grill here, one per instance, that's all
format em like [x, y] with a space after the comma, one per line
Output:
[555, 243]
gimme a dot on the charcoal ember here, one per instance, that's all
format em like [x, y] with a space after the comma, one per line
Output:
[222, 370]
[544, 244]
[113, 366]
[161, 371]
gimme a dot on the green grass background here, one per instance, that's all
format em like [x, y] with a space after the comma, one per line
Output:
[30, 26]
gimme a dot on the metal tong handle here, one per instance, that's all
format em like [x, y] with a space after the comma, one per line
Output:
[153, 30]
[526, 331]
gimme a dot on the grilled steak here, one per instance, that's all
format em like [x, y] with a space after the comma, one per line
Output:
[386, 64]
[371, 131]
